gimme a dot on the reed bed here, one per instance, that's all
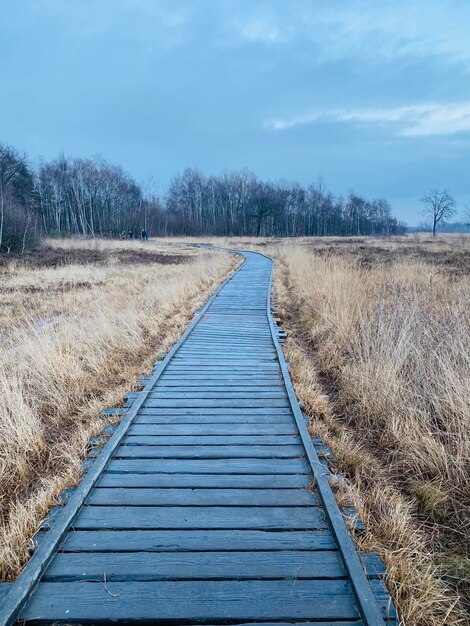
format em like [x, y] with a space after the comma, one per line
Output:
[380, 356]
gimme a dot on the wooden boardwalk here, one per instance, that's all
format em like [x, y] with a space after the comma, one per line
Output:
[198, 510]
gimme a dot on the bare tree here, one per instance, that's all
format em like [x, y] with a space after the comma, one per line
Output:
[263, 204]
[18, 202]
[438, 205]
[10, 164]
[466, 216]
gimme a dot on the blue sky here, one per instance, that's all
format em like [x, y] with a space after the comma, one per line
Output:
[370, 95]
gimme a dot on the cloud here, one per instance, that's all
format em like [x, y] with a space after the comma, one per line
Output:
[417, 120]
[363, 29]
[261, 31]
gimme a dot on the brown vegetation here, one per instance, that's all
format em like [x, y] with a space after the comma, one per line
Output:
[75, 336]
[379, 348]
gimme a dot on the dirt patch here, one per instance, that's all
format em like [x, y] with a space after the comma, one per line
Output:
[59, 288]
[58, 257]
[449, 260]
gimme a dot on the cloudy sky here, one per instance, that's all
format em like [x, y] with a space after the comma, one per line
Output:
[371, 95]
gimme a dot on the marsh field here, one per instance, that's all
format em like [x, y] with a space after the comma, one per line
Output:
[379, 351]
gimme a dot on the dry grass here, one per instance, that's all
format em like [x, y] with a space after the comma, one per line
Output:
[75, 337]
[380, 355]
[379, 347]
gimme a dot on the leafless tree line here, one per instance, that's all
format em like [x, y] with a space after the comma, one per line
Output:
[18, 201]
[87, 197]
[238, 203]
[90, 197]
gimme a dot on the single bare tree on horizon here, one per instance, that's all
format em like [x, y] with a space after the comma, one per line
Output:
[438, 205]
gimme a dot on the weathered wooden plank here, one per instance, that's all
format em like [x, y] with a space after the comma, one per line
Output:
[209, 466]
[214, 321]
[192, 600]
[195, 566]
[188, 540]
[202, 497]
[251, 325]
[222, 360]
[213, 367]
[210, 440]
[227, 354]
[223, 349]
[206, 358]
[204, 411]
[209, 452]
[135, 517]
[217, 404]
[145, 427]
[213, 341]
[216, 342]
[216, 337]
[217, 330]
[373, 565]
[220, 394]
[213, 481]
[203, 335]
[217, 323]
[220, 441]
[4, 589]
[304, 623]
[219, 373]
[204, 383]
[382, 597]
[223, 367]
[266, 423]
[222, 372]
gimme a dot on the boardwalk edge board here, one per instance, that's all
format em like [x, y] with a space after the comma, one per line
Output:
[206, 465]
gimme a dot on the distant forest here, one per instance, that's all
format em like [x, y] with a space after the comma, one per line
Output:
[90, 197]
[458, 227]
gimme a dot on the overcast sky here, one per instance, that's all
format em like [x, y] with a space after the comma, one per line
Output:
[371, 95]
